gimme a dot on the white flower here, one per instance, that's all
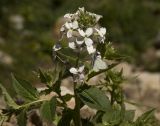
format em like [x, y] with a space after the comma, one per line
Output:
[99, 64]
[88, 41]
[101, 32]
[78, 71]
[73, 70]
[87, 33]
[91, 49]
[71, 26]
[98, 17]
[62, 28]
[69, 16]
[86, 36]
[57, 47]
[72, 45]
[81, 9]
[79, 42]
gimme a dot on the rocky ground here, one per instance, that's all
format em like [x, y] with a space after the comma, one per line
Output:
[142, 88]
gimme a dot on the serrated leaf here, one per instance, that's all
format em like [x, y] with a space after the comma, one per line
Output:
[44, 77]
[50, 77]
[22, 118]
[112, 117]
[24, 89]
[48, 109]
[95, 98]
[10, 102]
[71, 58]
[144, 118]
[93, 73]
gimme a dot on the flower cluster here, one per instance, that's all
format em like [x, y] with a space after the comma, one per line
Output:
[82, 30]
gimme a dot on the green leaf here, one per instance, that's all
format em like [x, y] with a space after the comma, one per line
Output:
[51, 76]
[71, 57]
[44, 77]
[112, 117]
[129, 115]
[95, 98]
[22, 118]
[93, 73]
[24, 89]
[66, 118]
[126, 124]
[147, 115]
[10, 102]
[48, 109]
[144, 118]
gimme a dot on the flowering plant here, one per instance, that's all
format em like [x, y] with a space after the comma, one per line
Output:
[84, 56]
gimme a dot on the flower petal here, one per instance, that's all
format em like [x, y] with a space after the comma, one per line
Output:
[99, 32]
[81, 32]
[62, 29]
[73, 70]
[72, 45]
[67, 25]
[99, 64]
[81, 9]
[88, 41]
[98, 17]
[75, 25]
[89, 32]
[81, 69]
[103, 31]
[90, 49]
[79, 42]
[69, 33]
[68, 15]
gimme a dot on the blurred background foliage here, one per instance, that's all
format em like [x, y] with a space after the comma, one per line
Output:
[28, 27]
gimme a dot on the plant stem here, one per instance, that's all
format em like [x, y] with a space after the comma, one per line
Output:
[112, 95]
[77, 118]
